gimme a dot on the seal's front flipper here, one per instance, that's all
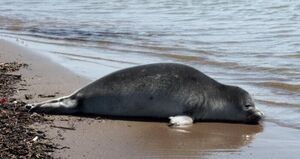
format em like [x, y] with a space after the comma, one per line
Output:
[180, 120]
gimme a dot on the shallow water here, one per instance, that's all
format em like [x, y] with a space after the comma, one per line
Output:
[252, 44]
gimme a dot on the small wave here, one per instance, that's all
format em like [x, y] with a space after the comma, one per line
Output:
[93, 57]
[278, 7]
[282, 86]
[284, 124]
[12, 24]
[76, 34]
[182, 57]
[230, 65]
[295, 55]
[90, 61]
[277, 104]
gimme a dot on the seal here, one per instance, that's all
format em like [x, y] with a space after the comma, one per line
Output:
[162, 90]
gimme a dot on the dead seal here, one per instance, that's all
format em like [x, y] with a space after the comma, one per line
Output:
[163, 90]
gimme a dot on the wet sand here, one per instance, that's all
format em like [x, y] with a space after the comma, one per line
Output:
[103, 138]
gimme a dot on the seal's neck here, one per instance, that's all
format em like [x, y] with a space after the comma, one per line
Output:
[217, 104]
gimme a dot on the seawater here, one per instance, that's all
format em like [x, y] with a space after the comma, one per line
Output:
[253, 44]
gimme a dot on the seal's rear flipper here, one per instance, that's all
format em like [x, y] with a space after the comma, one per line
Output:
[62, 105]
[180, 120]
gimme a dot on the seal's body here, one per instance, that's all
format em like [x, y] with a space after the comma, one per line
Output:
[158, 91]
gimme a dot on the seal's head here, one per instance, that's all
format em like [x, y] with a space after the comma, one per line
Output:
[232, 104]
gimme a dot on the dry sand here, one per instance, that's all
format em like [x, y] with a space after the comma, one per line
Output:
[103, 138]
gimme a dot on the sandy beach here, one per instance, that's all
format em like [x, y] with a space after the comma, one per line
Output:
[94, 137]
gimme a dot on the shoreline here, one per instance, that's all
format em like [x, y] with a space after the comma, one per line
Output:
[43, 76]
[103, 138]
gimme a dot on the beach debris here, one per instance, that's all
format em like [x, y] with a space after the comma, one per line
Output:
[28, 96]
[33, 115]
[46, 96]
[98, 118]
[17, 138]
[9, 80]
[11, 66]
[3, 100]
[35, 139]
[63, 127]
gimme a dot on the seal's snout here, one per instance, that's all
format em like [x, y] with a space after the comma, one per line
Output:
[255, 116]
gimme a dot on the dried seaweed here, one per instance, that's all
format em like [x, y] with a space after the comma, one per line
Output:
[11, 67]
[17, 138]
